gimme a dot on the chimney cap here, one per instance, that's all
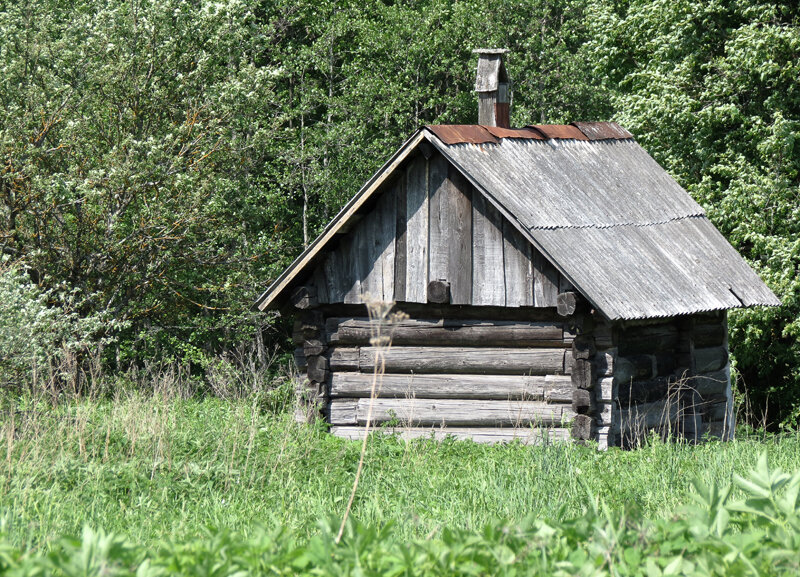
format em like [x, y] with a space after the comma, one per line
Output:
[490, 50]
[491, 70]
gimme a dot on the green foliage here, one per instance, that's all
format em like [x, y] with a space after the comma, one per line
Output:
[40, 330]
[757, 534]
[167, 159]
[710, 90]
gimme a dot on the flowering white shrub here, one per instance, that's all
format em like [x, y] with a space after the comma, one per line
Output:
[38, 327]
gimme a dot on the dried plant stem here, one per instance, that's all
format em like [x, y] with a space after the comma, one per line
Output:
[379, 369]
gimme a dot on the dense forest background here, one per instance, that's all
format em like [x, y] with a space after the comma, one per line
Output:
[163, 161]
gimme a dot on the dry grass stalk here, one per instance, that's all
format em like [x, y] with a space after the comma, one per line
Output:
[382, 322]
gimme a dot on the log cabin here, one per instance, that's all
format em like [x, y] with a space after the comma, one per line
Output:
[556, 283]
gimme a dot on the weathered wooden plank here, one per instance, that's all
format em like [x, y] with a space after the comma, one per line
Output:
[387, 213]
[658, 414]
[634, 367]
[343, 358]
[486, 360]
[604, 336]
[343, 412]
[712, 385]
[606, 437]
[417, 231]
[604, 361]
[488, 276]
[708, 360]
[489, 435]
[448, 332]
[583, 373]
[582, 427]
[582, 401]
[460, 258]
[350, 261]
[607, 415]
[545, 281]
[401, 242]
[368, 237]
[317, 369]
[321, 284]
[606, 390]
[647, 339]
[453, 386]
[440, 235]
[583, 348]
[710, 334]
[312, 347]
[334, 275]
[518, 267]
[454, 412]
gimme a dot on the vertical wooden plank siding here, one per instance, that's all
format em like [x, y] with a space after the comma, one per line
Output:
[321, 283]
[400, 255]
[334, 275]
[459, 213]
[416, 280]
[545, 281]
[348, 260]
[518, 267]
[369, 255]
[386, 243]
[431, 224]
[488, 278]
[439, 239]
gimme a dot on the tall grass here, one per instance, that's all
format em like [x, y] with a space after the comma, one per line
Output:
[163, 464]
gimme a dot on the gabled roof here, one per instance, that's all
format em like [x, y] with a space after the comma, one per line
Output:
[607, 216]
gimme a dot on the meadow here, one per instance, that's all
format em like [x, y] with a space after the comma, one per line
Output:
[209, 480]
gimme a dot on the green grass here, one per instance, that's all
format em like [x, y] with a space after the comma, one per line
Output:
[155, 469]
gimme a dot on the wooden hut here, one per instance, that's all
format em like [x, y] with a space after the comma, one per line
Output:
[557, 281]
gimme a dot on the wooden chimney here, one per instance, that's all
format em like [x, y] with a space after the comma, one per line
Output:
[493, 88]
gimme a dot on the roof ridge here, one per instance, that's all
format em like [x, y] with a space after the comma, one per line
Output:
[451, 134]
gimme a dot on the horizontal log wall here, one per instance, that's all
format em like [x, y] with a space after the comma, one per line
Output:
[499, 379]
[431, 224]
[607, 382]
[671, 377]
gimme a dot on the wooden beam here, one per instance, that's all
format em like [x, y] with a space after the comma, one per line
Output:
[489, 435]
[452, 412]
[359, 331]
[454, 386]
[475, 360]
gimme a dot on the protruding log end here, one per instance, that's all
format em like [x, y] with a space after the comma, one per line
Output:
[567, 303]
[582, 427]
[304, 297]
[439, 292]
[584, 374]
[581, 401]
[317, 369]
[583, 347]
